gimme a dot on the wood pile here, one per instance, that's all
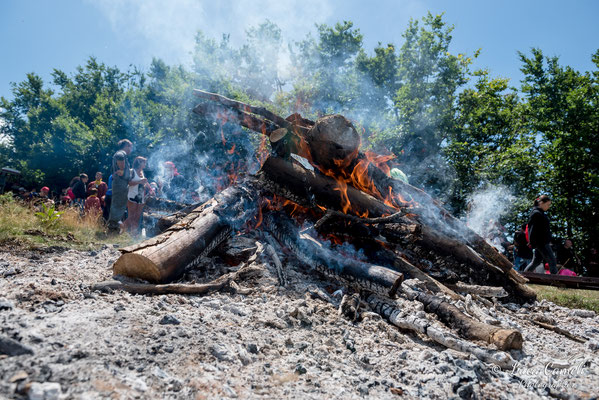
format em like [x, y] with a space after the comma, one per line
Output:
[336, 210]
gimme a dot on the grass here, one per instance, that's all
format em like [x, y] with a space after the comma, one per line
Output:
[571, 298]
[20, 226]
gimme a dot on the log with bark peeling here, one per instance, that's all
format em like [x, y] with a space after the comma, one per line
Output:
[165, 257]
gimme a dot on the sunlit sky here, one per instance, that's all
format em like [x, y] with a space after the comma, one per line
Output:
[38, 36]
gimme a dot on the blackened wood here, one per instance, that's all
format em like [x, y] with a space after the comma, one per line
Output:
[329, 262]
[311, 189]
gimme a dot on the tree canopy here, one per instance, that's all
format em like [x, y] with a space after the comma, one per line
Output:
[453, 130]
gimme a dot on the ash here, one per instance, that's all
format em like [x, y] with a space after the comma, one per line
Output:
[262, 340]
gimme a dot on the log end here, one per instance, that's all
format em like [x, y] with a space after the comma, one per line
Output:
[137, 266]
[507, 339]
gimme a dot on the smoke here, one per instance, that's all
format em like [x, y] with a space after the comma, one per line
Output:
[166, 29]
[485, 209]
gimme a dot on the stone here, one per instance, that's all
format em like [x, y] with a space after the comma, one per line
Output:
[11, 347]
[6, 305]
[466, 392]
[169, 320]
[584, 313]
[252, 348]
[300, 369]
[220, 352]
[18, 376]
[44, 391]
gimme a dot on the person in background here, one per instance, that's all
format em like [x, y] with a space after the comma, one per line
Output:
[539, 236]
[567, 258]
[592, 262]
[107, 200]
[80, 190]
[121, 175]
[172, 184]
[100, 185]
[136, 195]
[93, 205]
[522, 253]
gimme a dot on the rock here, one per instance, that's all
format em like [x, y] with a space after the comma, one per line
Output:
[18, 376]
[44, 391]
[363, 390]
[252, 348]
[584, 313]
[169, 320]
[229, 391]
[466, 392]
[6, 305]
[593, 345]
[11, 347]
[300, 369]
[220, 352]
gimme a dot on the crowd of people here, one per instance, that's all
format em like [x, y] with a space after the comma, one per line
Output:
[120, 200]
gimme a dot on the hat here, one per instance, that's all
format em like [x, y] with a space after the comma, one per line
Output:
[46, 188]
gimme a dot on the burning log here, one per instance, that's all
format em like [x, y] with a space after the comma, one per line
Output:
[166, 256]
[310, 189]
[311, 252]
[484, 291]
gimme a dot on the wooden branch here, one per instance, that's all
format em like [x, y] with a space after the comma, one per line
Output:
[219, 283]
[241, 117]
[504, 339]
[165, 257]
[559, 330]
[247, 108]
[484, 291]
[412, 322]
[158, 203]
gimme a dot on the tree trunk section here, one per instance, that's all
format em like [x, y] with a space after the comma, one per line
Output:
[165, 257]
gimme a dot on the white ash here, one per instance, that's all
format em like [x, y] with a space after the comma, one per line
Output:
[276, 342]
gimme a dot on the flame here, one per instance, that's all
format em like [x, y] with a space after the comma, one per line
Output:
[231, 150]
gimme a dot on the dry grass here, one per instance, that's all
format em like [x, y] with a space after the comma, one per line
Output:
[20, 225]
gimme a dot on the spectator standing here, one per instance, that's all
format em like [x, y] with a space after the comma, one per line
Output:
[121, 175]
[107, 199]
[522, 253]
[100, 185]
[92, 206]
[539, 236]
[80, 189]
[172, 184]
[136, 195]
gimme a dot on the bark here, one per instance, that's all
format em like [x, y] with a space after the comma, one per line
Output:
[161, 204]
[484, 291]
[165, 257]
[219, 283]
[450, 315]
[330, 263]
[412, 322]
[311, 189]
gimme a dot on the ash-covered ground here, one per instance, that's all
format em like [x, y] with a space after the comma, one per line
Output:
[273, 342]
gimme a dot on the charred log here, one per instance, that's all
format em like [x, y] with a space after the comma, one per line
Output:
[327, 262]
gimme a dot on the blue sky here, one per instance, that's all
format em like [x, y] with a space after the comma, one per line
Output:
[38, 36]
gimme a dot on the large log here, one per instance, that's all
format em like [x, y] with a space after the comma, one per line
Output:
[311, 189]
[330, 263]
[165, 257]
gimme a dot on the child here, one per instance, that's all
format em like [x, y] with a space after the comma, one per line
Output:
[92, 203]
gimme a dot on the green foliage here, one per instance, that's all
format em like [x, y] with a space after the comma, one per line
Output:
[49, 214]
[454, 131]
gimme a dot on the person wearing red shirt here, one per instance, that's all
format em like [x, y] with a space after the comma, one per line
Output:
[92, 204]
[100, 185]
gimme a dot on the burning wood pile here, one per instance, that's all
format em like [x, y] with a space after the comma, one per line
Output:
[336, 210]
